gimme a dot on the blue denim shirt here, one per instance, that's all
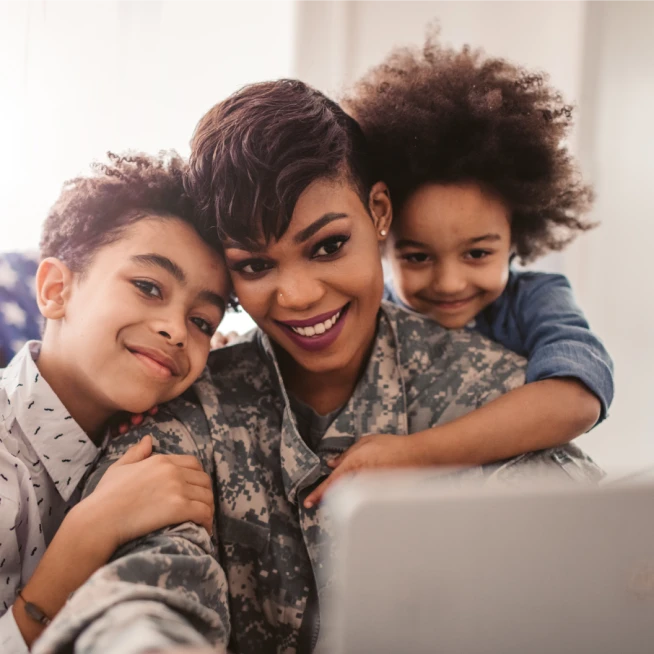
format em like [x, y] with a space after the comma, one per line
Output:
[537, 317]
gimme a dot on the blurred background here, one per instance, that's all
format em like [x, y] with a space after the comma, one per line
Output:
[79, 78]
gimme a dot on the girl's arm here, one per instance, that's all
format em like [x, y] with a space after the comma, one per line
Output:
[557, 338]
[569, 388]
[138, 494]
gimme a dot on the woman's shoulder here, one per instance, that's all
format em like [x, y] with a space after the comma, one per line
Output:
[424, 346]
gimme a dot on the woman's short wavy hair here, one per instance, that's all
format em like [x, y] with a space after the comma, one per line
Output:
[442, 115]
[93, 211]
[254, 153]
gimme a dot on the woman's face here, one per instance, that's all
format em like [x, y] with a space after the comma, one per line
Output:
[317, 290]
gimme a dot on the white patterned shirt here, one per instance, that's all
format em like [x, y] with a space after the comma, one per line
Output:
[44, 454]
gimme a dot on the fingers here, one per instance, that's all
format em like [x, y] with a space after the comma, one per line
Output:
[197, 478]
[201, 514]
[316, 495]
[182, 460]
[136, 453]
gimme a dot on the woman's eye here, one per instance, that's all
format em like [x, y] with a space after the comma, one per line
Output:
[147, 288]
[477, 254]
[330, 246]
[252, 266]
[415, 257]
[205, 327]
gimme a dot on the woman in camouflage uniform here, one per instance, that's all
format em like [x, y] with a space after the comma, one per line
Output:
[286, 175]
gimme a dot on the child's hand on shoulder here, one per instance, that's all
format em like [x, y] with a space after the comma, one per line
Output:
[141, 493]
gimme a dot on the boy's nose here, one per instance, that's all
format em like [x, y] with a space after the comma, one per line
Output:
[173, 340]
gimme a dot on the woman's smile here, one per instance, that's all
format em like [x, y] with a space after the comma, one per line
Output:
[316, 333]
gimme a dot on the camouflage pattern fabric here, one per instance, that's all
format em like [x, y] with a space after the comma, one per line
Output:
[245, 590]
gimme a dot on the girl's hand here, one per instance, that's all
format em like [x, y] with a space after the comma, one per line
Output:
[141, 493]
[369, 452]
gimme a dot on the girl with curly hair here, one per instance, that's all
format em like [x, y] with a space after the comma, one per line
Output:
[473, 150]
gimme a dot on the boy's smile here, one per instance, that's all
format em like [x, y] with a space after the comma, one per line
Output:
[138, 321]
[449, 251]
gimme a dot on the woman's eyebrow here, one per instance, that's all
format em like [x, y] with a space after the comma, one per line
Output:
[160, 261]
[316, 226]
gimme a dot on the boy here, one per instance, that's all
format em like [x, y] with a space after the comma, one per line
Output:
[473, 152]
[132, 286]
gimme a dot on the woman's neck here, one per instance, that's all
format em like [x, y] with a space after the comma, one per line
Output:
[326, 391]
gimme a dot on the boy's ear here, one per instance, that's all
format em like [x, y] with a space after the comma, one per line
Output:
[54, 282]
[381, 210]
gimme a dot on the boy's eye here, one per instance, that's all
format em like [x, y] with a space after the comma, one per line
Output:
[415, 257]
[477, 254]
[147, 288]
[204, 326]
[252, 266]
[330, 246]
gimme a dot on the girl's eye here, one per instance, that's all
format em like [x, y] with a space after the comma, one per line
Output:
[477, 254]
[204, 326]
[415, 257]
[330, 246]
[252, 266]
[147, 288]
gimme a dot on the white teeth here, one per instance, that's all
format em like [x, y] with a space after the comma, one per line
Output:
[318, 328]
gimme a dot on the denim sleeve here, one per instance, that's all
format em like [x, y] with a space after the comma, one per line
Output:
[558, 339]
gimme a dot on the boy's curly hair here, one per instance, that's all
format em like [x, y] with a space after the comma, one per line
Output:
[93, 211]
[446, 116]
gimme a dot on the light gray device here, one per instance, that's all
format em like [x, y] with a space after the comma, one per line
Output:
[424, 566]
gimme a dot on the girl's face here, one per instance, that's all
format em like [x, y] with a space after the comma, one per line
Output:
[317, 290]
[449, 251]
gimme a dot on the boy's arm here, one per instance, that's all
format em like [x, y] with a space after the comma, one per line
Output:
[11, 639]
[138, 495]
[165, 588]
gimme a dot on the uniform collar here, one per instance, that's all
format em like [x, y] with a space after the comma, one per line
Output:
[377, 406]
[60, 443]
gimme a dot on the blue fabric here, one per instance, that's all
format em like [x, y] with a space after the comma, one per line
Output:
[20, 320]
[537, 317]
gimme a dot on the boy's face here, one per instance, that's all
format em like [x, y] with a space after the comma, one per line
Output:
[317, 291]
[139, 320]
[449, 251]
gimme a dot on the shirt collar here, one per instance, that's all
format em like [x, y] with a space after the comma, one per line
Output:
[60, 443]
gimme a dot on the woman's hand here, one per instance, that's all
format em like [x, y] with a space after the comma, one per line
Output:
[141, 493]
[370, 452]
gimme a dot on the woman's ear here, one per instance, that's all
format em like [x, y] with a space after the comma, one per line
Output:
[381, 209]
[54, 281]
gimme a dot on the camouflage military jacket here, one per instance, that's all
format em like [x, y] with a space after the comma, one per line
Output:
[246, 589]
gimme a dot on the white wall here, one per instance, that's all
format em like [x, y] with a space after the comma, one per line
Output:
[601, 56]
[79, 78]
